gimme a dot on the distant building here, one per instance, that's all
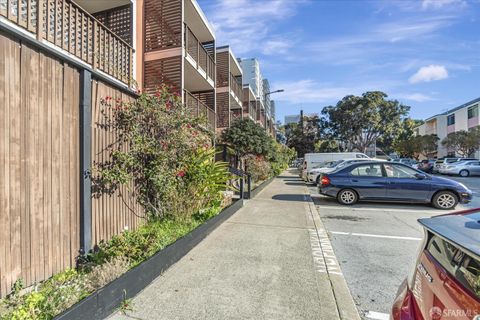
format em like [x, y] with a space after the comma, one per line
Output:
[292, 119]
[464, 117]
[296, 117]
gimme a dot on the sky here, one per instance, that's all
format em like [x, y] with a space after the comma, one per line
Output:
[424, 53]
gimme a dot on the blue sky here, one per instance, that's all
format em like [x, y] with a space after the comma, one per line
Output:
[425, 53]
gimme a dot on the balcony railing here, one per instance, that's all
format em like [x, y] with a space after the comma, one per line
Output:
[235, 86]
[69, 27]
[200, 109]
[196, 50]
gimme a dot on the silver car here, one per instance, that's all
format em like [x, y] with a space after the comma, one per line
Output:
[462, 168]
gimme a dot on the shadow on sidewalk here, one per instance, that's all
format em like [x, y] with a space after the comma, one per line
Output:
[289, 197]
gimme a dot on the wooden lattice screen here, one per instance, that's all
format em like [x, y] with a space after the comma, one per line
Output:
[118, 20]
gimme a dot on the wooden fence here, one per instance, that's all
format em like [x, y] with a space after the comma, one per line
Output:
[40, 166]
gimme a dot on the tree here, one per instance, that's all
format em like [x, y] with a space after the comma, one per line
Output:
[303, 138]
[388, 143]
[417, 145]
[463, 142]
[327, 146]
[428, 144]
[362, 120]
[247, 137]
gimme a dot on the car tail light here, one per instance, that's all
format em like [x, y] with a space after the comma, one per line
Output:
[325, 181]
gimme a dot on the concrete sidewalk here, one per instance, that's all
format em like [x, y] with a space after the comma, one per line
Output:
[271, 260]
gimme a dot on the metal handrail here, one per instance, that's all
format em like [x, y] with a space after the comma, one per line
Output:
[196, 50]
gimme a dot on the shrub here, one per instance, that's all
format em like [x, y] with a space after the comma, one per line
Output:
[257, 167]
[157, 141]
[247, 137]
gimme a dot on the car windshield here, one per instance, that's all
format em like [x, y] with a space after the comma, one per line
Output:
[333, 164]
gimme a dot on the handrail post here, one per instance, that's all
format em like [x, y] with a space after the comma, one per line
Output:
[241, 188]
[249, 185]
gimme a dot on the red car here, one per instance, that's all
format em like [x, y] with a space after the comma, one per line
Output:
[446, 282]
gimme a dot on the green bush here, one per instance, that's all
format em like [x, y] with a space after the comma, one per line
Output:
[258, 168]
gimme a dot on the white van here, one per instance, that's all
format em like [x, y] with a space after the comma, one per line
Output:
[314, 159]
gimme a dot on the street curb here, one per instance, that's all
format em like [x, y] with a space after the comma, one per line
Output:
[346, 307]
[103, 302]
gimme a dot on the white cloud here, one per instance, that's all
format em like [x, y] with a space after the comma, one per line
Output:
[310, 91]
[429, 73]
[437, 4]
[273, 47]
[417, 97]
[247, 25]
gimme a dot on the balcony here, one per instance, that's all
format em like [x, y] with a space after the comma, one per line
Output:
[236, 88]
[202, 60]
[67, 26]
[200, 109]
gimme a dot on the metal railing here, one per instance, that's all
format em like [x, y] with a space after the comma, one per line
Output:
[69, 27]
[236, 87]
[200, 109]
[196, 50]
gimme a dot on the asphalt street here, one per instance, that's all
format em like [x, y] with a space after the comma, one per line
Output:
[376, 245]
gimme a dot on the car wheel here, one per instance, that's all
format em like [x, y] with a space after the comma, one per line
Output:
[347, 197]
[464, 173]
[445, 200]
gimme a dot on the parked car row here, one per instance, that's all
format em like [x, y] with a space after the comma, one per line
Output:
[392, 182]
[464, 167]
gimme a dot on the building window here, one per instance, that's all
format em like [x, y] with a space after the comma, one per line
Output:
[473, 111]
[451, 120]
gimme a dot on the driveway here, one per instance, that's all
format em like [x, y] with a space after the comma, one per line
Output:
[376, 245]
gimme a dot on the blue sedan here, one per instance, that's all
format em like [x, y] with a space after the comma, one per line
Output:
[388, 181]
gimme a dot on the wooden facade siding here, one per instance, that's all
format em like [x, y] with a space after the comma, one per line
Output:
[40, 166]
[39, 191]
[223, 110]
[223, 69]
[163, 71]
[163, 24]
[67, 26]
[111, 214]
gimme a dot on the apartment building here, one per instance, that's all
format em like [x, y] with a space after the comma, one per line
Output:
[249, 103]
[463, 117]
[179, 50]
[260, 87]
[229, 91]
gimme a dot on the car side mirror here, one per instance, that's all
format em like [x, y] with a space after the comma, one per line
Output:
[420, 176]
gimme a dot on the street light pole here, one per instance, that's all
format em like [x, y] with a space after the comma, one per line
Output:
[265, 99]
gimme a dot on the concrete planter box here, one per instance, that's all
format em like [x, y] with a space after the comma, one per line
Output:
[106, 300]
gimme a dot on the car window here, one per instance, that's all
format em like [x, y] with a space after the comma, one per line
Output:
[451, 160]
[464, 268]
[396, 171]
[367, 170]
[474, 163]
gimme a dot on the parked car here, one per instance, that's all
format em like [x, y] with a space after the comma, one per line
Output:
[462, 168]
[426, 165]
[314, 174]
[445, 283]
[389, 181]
[314, 159]
[406, 161]
[441, 163]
